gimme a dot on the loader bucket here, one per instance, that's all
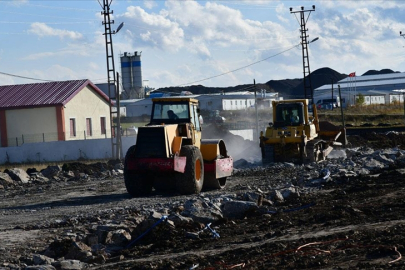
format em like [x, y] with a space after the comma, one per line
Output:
[331, 132]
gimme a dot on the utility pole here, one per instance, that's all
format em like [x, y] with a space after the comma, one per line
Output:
[403, 93]
[118, 142]
[257, 116]
[332, 95]
[308, 91]
[111, 81]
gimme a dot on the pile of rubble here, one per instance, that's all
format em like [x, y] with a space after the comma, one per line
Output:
[12, 178]
[109, 235]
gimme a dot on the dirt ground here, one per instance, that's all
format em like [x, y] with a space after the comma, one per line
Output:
[347, 223]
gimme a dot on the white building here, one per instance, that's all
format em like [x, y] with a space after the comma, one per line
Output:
[211, 102]
[376, 89]
[138, 107]
[235, 101]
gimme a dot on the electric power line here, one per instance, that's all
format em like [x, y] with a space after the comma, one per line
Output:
[251, 64]
[44, 16]
[53, 23]
[231, 71]
[63, 8]
[23, 77]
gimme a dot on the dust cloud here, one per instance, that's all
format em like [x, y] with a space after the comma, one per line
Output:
[237, 147]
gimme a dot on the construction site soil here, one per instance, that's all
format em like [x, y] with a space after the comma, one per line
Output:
[348, 223]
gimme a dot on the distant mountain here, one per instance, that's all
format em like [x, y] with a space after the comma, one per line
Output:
[287, 88]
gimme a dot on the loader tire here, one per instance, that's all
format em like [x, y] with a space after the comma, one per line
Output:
[135, 183]
[192, 180]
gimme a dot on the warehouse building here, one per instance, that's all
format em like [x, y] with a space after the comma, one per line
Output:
[376, 89]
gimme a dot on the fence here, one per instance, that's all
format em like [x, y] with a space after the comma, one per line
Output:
[53, 136]
[61, 151]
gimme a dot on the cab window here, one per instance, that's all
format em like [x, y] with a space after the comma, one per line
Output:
[194, 117]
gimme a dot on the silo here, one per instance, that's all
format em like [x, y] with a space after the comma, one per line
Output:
[131, 73]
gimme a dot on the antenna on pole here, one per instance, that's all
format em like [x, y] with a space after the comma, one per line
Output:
[308, 91]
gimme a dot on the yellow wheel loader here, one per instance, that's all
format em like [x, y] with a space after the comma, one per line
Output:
[169, 154]
[295, 136]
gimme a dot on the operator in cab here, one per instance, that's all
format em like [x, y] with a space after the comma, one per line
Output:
[295, 119]
[172, 115]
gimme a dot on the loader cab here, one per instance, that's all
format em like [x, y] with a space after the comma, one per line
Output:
[175, 111]
[289, 114]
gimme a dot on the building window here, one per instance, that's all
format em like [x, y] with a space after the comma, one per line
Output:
[72, 122]
[89, 130]
[102, 125]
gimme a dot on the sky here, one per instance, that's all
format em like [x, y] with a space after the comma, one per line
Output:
[211, 43]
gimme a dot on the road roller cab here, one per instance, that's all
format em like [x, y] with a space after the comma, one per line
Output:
[169, 154]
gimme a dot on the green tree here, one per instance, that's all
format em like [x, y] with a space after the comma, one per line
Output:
[360, 99]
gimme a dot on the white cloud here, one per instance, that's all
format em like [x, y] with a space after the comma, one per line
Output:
[199, 47]
[364, 34]
[6, 80]
[94, 66]
[149, 4]
[207, 35]
[154, 30]
[37, 56]
[199, 29]
[187, 41]
[76, 51]
[43, 30]
[353, 5]
[16, 2]
[72, 50]
[58, 72]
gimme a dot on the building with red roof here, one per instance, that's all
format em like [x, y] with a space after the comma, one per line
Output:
[53, 111]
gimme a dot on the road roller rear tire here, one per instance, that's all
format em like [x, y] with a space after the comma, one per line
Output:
[192, 180]
[136, 184]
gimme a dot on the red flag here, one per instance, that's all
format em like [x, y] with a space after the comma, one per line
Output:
[353, 74]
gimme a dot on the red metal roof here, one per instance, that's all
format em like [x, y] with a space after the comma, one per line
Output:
[43, 94]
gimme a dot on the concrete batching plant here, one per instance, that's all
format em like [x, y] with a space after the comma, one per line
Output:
[131, 73]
